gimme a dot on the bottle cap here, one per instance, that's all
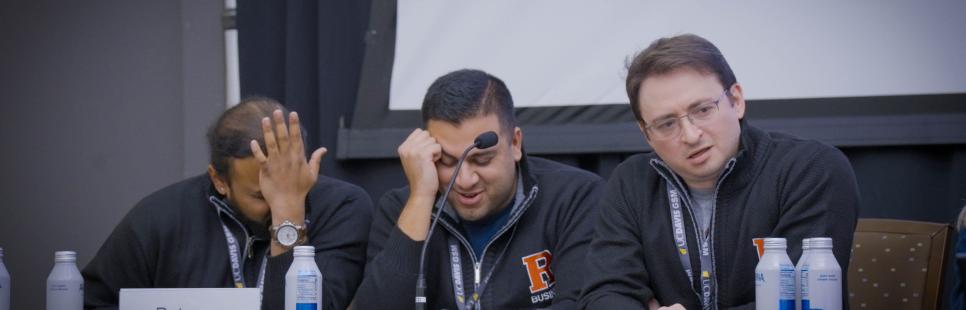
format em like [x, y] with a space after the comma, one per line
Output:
[775, 243]
[821, 243]
[305, 251]
[65, 256]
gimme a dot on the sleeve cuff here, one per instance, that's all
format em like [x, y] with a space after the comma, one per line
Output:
[278, 265]
[402, 253]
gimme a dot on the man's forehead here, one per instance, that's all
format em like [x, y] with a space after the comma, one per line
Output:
[244, 172]
[454, 145]
[467, 129]
[674, 91]
[455, 149]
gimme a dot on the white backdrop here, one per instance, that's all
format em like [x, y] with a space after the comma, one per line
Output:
[569, 52]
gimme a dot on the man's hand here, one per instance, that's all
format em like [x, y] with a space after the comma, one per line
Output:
[418, 155]
[285, 177]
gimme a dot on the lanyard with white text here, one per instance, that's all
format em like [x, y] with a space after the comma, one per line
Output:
[456, 267]
[681, 243]
[459, 291]
[235, 257]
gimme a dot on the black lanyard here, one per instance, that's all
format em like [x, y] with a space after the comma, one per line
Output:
[456, 260]
[456, 266]
[459, 289]
[706, 295]
[235, 257]
[479, 286]
[234, 252]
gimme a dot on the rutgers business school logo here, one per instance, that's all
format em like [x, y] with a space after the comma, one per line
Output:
[540, 275]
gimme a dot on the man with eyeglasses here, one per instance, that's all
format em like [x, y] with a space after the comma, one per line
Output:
[676, 226]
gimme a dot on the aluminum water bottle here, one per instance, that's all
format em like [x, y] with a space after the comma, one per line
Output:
[800, 276]
[4, 285]
[65, 286]
[775, 277]
[822, 285]
[303, 281]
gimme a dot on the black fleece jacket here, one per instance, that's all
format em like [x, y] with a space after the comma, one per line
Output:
[174, 239]
[551, 226]
[777, 186]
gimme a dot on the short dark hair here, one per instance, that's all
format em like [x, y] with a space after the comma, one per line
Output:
[668, 54]
[230, 136]
[468, 93]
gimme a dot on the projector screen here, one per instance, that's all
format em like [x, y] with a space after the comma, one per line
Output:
[853, 73]
[569, 52]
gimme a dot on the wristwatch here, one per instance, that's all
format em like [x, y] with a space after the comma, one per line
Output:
[288, 234]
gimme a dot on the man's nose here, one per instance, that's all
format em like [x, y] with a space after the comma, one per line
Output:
[690, 133]
[467, 177]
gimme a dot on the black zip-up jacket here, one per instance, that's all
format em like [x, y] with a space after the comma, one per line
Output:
[174, 238]
[552, 225]
[777, 186]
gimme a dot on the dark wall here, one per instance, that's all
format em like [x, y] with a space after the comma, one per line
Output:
[925, 183]
[103, 102]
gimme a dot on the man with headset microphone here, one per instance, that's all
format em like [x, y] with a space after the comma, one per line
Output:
[512, 234]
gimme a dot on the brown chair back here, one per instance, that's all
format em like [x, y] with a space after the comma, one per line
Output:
[897, 264]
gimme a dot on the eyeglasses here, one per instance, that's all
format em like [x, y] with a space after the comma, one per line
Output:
[670, 128]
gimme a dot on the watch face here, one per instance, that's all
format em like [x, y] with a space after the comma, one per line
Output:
[287, 235]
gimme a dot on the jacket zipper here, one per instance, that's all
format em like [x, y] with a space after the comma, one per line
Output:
[729, 167]
[478, 264]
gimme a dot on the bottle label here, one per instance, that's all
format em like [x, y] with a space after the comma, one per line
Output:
[803, 283]
[827, 277]
[307, 290]
[311, 306]
[776, 287]
[824, 290]
[58, 287]
[787, 285]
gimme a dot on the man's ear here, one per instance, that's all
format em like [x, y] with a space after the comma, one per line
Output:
[738, 100]
[221, 185]
[517, 144]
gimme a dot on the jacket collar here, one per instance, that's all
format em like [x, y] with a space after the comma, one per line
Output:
[525, 192]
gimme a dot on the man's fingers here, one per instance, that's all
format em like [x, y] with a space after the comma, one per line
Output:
[257, 151]
[316, 160]
[270, 145]
[295, 133]
[281, 132]
[436, 151]
[412, 142]
[404, 146]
